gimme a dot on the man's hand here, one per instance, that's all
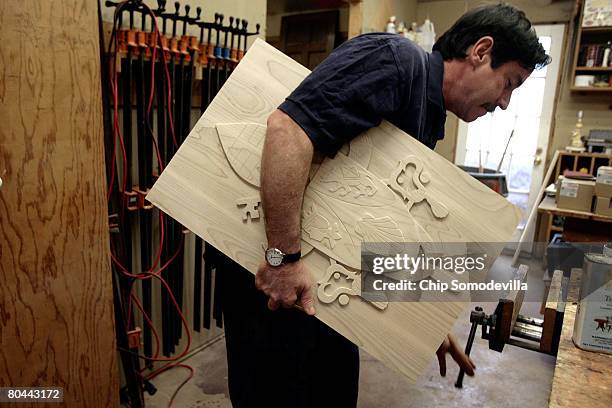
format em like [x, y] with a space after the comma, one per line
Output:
[451, 346]
[287, 285]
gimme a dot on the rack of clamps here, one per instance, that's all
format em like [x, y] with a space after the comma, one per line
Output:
[158, 75]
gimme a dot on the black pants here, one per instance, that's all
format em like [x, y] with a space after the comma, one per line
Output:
[285, 358]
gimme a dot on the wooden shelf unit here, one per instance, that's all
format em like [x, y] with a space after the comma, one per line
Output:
[590, 89]
[591, 35]
[567, 161]
[594, 69]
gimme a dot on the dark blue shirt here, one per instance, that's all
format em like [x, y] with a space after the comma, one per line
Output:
[367, 79]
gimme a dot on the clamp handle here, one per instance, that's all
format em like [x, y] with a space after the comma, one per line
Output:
[476, 318]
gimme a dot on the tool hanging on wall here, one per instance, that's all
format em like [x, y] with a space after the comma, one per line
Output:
[209, 250]
[173, 231]
[145, 179]
[164, 130]
[218, 54]
[204, 94]
[133, 392]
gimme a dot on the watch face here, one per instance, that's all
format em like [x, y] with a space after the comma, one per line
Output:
[274, 256]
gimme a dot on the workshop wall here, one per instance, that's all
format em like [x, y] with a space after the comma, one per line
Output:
[376, 13]
[596, 113]
[444, 13]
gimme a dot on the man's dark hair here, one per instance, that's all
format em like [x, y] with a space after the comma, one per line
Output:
[514, 37]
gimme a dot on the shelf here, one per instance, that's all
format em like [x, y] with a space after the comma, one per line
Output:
[594, 69]
[591, 89]
[585, 154]
[603, 29]
[548, 205]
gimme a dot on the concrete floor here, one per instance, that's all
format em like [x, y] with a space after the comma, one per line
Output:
[514, 378]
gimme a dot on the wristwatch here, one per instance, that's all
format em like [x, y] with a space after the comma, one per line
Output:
[276, 257]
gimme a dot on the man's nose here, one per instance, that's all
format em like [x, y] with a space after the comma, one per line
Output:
[504, 101]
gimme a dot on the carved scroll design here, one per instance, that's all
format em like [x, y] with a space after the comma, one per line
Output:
[339, 284]
[250, 207]
[414, 191]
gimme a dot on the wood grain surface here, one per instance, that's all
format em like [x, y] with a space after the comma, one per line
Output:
[582, 378]
[56, 313]
[200, 188]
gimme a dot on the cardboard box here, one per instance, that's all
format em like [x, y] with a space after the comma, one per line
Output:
[575, 194]
[603, 206]
[603, 182]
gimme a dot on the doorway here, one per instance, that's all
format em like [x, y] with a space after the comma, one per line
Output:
[309, 38]
[307, 30]
[483, 142]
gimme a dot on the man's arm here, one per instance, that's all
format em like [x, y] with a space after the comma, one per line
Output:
[285, 164]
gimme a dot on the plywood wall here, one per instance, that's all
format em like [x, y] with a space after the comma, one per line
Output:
[56, 316]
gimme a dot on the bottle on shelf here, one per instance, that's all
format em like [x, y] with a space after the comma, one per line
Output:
[605, 62]
[576, 143]
[391, 25]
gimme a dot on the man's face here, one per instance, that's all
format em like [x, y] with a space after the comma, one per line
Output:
[485, 88]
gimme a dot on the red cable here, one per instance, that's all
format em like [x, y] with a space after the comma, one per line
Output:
[170, 366]
[176, 306]
[149, 323]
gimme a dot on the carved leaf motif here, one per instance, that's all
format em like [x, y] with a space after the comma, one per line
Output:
[352, 185]
[382, 229]
[322, 228]
[319, 228]
[361, 150]
[242, 144]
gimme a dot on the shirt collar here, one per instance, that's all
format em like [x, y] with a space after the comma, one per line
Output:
[435, 79]
[436, 110]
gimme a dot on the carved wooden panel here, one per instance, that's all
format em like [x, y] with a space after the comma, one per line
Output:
[56, 311]
[386, 186]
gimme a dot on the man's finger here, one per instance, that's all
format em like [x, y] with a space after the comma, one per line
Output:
[460, 357]
[442, 363]
[463, 361]
[290, 302]
[307, 302]
[258, 281]
[273, 305]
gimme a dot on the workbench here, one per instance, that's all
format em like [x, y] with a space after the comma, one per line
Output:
[582, 378]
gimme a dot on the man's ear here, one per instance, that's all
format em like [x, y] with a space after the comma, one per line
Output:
[480, 52]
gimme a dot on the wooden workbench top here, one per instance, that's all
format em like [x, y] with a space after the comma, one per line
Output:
[582, 378]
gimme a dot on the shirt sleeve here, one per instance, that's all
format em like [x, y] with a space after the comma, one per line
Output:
[351, 91]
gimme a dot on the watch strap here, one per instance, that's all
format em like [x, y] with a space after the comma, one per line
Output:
[290, 258]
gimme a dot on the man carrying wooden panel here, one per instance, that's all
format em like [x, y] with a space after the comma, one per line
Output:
[279, 356]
